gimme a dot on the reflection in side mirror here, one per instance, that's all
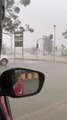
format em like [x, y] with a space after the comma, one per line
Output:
[21, 82]
[25, 82]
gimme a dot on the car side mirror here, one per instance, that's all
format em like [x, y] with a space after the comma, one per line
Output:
[21, 82]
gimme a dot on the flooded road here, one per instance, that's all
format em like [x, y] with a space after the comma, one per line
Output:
[51, 102]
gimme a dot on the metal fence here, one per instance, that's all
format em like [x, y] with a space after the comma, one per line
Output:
[30, 54]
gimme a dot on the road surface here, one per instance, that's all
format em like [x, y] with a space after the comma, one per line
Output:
[51, 102]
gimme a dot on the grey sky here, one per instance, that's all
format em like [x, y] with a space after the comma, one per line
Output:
[42, 15]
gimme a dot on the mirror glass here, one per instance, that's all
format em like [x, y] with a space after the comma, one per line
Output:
[25, 82]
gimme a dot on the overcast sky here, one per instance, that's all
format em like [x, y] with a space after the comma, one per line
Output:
[42, 15]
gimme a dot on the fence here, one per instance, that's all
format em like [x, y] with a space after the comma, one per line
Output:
[38, 55]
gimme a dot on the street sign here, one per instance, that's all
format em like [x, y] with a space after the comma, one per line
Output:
[18, 40]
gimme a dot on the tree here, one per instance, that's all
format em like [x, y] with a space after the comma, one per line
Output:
[62, 49]
[31, 30]
[48, 45]
[12, 22]
[25, 2]
[65, 34]
[66, 52]
[56, 48]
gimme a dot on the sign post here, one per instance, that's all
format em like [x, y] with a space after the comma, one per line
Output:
[18, 41]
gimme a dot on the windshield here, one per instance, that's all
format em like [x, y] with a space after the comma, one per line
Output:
[35, 37]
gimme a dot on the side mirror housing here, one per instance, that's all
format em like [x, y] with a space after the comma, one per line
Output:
[19, 82]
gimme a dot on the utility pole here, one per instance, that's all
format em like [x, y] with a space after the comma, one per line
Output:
[54, 42]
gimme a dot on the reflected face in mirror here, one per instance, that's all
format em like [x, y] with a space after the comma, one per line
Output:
[25, 82]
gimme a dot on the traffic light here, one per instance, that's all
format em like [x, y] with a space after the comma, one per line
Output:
[37, 45]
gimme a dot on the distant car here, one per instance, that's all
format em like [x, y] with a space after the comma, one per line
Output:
[3, 60]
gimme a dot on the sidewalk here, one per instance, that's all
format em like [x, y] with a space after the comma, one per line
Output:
[40, 57]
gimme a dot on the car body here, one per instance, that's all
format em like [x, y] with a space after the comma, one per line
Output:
[3, 60]
[5, 109]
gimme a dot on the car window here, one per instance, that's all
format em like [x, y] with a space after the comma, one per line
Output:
[35, 37]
